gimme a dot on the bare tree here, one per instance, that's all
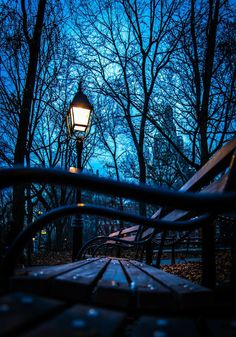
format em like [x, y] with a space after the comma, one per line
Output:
[200, 82]
[33, 43]
[34, 94]
[126, 44]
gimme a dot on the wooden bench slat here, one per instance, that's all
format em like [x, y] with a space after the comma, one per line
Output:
[130, 229]
[122, 233]
[125, 231]
[38, 279]
[47, 272]
[215, 186]
[212, 167]
[79, 283]
[128, 239]
[147, 232]
[189, 294]
[19, 310]
[81, 320]
[149, 292]
[117, 233]
[165, 327]
[113, 287]
[156, 214]
[221, 327]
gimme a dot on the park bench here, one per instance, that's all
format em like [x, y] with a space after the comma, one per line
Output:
[212, 177]
[109, 296]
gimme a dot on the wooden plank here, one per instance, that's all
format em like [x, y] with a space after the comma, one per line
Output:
[122, 233]
[188, 294]
[130, 230]
[113, 288]
[79, 283]
[125, 231]
[175, 215]
[128, 239]
[150, 326]
[115, 234]
[18, 311]
[82, 320]
[215, 186]
[149, 293]
[46, 272]
[147, 232]
[157, 214]
[38, 279]
[212, 167]
[221, 327]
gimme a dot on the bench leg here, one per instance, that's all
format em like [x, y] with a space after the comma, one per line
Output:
[208, 256]
[160, 250]
[149, 253]
[233, 272]
[137, 253]
[173, 254]
[118, 251]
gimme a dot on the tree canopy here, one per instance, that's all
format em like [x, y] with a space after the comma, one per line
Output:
[159, 73]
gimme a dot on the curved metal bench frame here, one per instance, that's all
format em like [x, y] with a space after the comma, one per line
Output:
[210, 203]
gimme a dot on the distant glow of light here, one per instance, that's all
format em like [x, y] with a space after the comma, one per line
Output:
[73, 170]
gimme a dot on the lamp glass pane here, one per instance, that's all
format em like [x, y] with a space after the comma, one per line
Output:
[72, 122]
[79, 128]
[80, 119]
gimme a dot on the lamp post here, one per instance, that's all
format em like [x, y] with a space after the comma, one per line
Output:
[78, 123]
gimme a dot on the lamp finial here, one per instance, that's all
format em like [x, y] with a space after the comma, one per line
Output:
[80, 85]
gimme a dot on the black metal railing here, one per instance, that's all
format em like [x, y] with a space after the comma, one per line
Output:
[205, 202]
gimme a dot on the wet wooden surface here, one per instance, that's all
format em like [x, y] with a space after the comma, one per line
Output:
[109, 297]
[118, 283]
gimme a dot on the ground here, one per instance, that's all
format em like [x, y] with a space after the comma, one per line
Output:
[192, 270]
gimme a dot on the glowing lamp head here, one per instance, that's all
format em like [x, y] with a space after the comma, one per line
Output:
[80, 118]
[79, 115]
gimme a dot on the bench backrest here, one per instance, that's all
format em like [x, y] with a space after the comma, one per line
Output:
[204, 181]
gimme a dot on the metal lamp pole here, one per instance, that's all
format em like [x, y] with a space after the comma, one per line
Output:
[77, 224]
[78, 123]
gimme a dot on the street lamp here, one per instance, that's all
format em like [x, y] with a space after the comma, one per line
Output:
[78, 123]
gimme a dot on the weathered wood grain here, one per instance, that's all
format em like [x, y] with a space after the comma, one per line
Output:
[19, 311]
[188, 295]
[148, 292]
[113, 288]
[78, 284]
[164, 327]
[39, 279]
[81, 321]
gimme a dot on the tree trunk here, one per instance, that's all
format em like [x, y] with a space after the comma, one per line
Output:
[142, 180]
[59, 243]
[49, 241]
[203, 141]
[18, 210]
[207, 77]
[30, 209]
